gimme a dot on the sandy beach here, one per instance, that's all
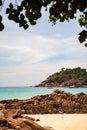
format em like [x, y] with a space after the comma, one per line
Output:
[62, 121]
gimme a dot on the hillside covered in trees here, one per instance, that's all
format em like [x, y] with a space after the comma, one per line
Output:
[76, 77]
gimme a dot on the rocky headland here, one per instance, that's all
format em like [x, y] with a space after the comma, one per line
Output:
[11, 111]
[76, 77]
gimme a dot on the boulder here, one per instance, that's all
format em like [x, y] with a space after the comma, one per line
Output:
[49, 103]
[11, 121]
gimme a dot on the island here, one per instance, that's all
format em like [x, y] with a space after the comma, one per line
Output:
[18, 114]
[76, 77]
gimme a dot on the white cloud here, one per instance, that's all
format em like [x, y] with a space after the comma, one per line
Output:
[27, 58]
[30, 56]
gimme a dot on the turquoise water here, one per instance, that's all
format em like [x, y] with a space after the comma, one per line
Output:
[28, 92]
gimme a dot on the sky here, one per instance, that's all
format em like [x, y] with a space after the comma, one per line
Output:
[27, 57]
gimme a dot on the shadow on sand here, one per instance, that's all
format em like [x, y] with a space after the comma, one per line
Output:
[48, 127]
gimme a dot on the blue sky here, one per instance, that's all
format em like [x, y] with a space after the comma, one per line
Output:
[29, 57]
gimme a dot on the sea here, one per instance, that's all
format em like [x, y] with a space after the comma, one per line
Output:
[28, 92]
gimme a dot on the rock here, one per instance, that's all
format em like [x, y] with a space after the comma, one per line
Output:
[8, 122]
[49, 103]
[27, 117]
[37, 120]
[18, 113]
[2, 117]
[2, 106]
[76, 77]
[12, 111]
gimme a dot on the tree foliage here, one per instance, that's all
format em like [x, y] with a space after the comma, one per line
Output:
[68, 74]
[27, 12]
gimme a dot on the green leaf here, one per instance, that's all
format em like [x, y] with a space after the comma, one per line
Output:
[0, 3]
[1, 26]
[7, 10]
[0, 18]
[85, 44]
[26, 26]
[11, 5]
[33, 22]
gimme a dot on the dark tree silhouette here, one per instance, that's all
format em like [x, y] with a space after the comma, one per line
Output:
[25, 12]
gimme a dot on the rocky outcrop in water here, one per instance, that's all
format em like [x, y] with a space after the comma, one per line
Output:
[76, 77]
[69, 83]
[57, 102]
[11, 111]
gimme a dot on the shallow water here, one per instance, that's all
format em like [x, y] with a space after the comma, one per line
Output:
[28, 92]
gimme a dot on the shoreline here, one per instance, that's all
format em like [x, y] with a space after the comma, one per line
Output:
[57, 102]
[45, 111]
[11, 93]
[61, 121]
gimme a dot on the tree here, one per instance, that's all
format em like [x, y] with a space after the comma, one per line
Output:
[27, 12]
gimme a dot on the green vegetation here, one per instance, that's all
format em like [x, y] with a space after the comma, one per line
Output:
[76, 77]
[76, 74]
[27, 12]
